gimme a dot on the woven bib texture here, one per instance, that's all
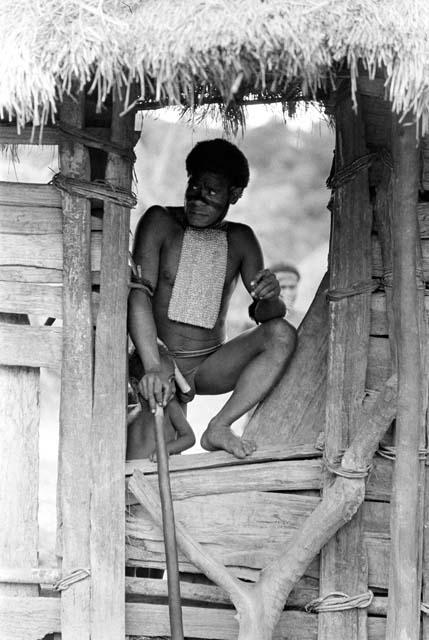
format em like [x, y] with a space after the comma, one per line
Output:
[197, 290]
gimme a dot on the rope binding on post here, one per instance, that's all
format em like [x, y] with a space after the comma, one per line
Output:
[339, 601]
[344, 472]
[333, 295]
[74, 576]
[98, 189]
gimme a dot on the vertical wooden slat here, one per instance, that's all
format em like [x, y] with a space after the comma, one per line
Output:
[19, 468]
[343, 560]
[109, 415]
[403, 616]
[76, 384]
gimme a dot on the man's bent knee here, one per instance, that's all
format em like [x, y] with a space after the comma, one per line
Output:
[281, 334]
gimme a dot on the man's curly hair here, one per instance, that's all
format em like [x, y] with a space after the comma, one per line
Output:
[219, 156]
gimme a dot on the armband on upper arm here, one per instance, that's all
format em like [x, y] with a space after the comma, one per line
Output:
[141, 284]
[137, 281]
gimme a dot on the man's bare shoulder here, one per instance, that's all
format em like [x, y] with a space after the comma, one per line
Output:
[158, 221]
[241, 233]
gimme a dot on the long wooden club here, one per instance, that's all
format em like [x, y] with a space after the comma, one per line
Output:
[169, 529]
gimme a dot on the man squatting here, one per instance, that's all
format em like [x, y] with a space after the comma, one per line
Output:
[188, 260]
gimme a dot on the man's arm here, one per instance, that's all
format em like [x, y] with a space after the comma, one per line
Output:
[155, 385]
[261, 283]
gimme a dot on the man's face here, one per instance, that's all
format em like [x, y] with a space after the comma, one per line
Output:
[207, 198]
[288, 284]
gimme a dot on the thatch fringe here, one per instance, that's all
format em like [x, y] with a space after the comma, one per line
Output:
[175, 48]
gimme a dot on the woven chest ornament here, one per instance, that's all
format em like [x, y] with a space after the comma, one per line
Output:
[200, 278]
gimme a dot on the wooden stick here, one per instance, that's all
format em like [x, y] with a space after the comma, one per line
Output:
[403, 618]
[169, 529]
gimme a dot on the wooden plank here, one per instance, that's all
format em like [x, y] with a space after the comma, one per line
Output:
[293, 412]
[37, 299]
[33, 618]
[109, 407]
[238, 526]
[19, 464]
[378, 550]
[307, 589]
[36, 220]
[24, 618]
[30, 346]
[379, 323]
[379, 484]
[26, 194]
[377, 264]
[215, 459]
[17, 273]
[271, 476]
[403, 617]
[33, 250]
[76, 384]
[343, 560]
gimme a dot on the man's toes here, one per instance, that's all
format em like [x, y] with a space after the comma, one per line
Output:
[249, 446]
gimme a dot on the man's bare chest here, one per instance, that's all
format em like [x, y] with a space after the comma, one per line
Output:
[170, 258]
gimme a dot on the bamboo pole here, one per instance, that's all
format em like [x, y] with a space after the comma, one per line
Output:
[169, 529]
[109, 412]
[343, 560]
[403, 618]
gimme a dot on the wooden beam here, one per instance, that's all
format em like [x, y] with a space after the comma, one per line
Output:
[343, 560]
[293, 412]
[403, 618]
[109, 412]
[19, 464]
[76, 384]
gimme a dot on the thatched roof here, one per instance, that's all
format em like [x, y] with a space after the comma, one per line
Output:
[180, 50]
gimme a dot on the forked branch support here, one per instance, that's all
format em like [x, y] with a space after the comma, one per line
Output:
[259, 606]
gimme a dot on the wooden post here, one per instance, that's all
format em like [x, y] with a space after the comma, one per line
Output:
[343, 560]
[109, 414]
[403, 617]
[19, 464]
[76, 384]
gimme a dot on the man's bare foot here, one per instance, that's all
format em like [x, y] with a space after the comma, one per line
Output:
[218, 436]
